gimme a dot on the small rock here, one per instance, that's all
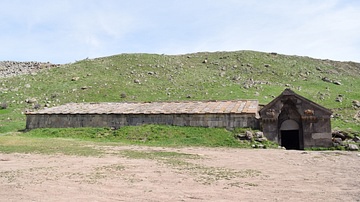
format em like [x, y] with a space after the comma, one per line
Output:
[137, 81]
[261, 139]
[356, 139]
[261, 146]
[339, 99]
[319, 69]
[267, 65]
[249, 135]
[241, 136]
[259, 134]
[75, 78]
[27, 85]
[338, 134]
[326, 79]
[356, 103]
[123, 95]
[336, 82]
[338, 141]
[31, 100]
[37, 106]
[352, 147]
[205, 61]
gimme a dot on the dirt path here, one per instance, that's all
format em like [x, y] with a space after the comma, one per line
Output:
[134, 173]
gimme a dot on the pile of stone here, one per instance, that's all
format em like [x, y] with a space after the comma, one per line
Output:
[12, 68]
[345, 139]
[257, 137]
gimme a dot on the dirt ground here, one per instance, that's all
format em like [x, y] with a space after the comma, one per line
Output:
[136, 173]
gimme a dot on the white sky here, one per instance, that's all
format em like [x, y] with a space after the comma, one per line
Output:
[63, 31]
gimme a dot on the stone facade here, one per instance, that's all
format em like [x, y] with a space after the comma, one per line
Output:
[227, 114]
[119, 120]
[296, 122]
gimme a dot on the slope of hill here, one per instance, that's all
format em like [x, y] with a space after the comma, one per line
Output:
[198, 76]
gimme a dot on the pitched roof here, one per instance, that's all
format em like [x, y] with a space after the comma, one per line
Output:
[190, 107]
[288, 92]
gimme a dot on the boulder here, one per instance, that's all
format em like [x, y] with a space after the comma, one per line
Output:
[259, 134]
[356, 139]
[249, 135]
[241, 136]
[352, 147]
[338, 141]
[261, 139]
[338, 134]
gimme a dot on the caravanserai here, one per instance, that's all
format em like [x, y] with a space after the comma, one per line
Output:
[290, 119]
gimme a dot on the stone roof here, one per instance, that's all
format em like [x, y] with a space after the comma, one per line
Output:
[186, 107]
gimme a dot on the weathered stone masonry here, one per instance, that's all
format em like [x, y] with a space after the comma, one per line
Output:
[228, 114]
[290, 119]
[296, 122]
[119, 120]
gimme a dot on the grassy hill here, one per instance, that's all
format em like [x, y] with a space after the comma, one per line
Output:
[198, 76]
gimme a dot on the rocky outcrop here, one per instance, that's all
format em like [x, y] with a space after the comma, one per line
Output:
[12, 68]
[256, 138]
[349, 140]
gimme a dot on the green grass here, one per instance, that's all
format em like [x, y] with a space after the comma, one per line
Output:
[150, 135]
[76, 141]
[225, 76]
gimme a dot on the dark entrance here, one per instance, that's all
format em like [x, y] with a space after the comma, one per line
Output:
[290, 139]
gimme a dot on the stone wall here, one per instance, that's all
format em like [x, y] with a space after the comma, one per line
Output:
[12, 68]
[118, 120]
[313, 120]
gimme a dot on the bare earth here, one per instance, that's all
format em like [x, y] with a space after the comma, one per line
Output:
[209, 174]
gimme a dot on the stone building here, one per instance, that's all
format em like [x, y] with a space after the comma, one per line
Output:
[296, 122]
[228, 114]
[290, 119]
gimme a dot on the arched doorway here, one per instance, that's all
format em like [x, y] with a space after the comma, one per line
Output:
[290, 126]
[290, 134]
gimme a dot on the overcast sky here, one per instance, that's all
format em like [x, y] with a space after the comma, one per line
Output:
[63, 31]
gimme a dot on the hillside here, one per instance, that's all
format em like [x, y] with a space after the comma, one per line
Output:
[198, 76]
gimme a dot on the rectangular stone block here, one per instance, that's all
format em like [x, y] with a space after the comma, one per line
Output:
[316, 136]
